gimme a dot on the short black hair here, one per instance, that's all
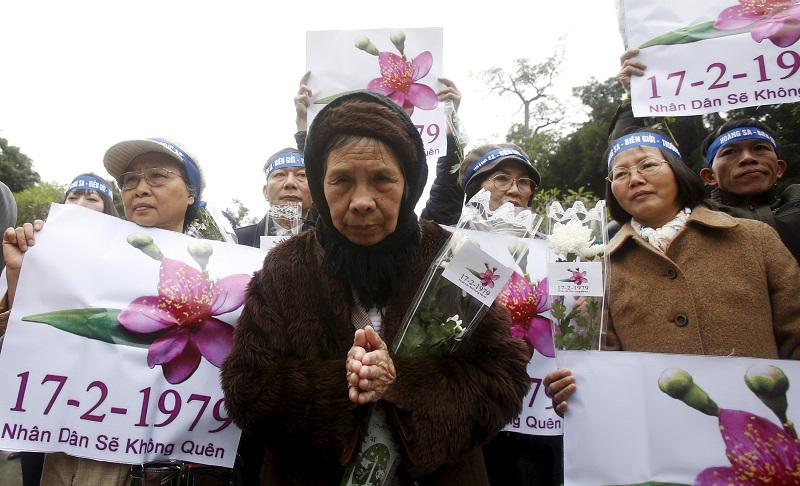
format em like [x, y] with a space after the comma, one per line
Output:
[691, 191]
[733, 125]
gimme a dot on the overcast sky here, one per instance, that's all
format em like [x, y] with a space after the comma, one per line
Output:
[219, 78]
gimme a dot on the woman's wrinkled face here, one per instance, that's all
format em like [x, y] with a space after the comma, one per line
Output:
[163, 206]
[364, 189]
[651, 199]
[87, 199]
[509, 171]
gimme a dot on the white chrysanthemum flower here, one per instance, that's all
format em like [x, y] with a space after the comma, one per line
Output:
[572, 237]
[591, 252]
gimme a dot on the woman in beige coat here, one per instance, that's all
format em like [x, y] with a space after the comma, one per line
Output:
[685, 279]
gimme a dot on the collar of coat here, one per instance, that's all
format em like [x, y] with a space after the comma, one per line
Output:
[701, 216]
[722, 196]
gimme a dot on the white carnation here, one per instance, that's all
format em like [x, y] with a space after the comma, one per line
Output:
[456, 242]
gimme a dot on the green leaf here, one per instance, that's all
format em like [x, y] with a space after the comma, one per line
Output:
[429, 316]
[99, 324]
[557, 309]
[474, 272]
[411, 340]
[326, 100]
[694, 33]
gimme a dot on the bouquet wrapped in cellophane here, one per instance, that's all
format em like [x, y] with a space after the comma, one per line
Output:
[457, 291]
[463, 280]
[576, 273]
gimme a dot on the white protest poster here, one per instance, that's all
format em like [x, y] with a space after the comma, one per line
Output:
[680, 419]
[270, 242]
[712, 56]
[115, 340]
[403, 64]
[526, 297]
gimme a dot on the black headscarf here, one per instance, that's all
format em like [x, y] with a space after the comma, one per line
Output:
[373, 272]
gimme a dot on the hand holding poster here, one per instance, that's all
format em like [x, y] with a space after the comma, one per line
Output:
[712, 56]
[115, 339]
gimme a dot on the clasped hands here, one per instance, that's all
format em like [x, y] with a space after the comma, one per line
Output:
[370, 368]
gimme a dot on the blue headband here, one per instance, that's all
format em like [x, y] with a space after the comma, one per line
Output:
[89, 183]
[491, 157]
[192, 170]
[639, 139]
[283, 160]
[736, 135]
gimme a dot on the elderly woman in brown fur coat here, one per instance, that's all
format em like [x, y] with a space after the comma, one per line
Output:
[310, 350]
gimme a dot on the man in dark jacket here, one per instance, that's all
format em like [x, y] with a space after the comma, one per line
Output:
[743, 167]
[286, 184]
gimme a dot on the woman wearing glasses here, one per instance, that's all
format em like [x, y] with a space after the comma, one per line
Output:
[506, 171]
[685, 279]
[160, 183]
[502, 169]
[161, 186]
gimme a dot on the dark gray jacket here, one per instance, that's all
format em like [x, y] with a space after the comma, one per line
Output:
[781, 211]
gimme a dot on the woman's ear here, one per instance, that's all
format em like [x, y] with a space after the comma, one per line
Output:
[191, 199]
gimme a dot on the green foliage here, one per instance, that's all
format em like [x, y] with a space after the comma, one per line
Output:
[577, 159]
[240, 214]
[429, 333]
[16, 169]
[118, 200]
[540, 147]
[34, 203]
[567, 198]
[575, 331]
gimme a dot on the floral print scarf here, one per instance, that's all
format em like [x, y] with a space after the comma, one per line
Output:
[661, 237]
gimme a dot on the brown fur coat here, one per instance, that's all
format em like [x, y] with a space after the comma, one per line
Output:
[284, 381]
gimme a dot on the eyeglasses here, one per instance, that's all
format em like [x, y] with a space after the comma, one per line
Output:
[645, 167]
[503, 182]
[154, 177]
